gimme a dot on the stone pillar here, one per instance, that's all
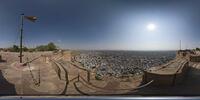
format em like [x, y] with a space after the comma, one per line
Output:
[78, 77]
[46, 59]
[88, 76]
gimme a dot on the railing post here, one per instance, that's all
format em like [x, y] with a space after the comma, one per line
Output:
[78, 77]
[88, 76]
[39, 77]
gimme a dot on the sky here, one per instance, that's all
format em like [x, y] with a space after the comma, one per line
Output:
[103, 24]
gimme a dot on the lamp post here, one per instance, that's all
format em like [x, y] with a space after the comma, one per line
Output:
[21, 37]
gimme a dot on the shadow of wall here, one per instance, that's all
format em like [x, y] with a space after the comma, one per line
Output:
[160, 80]
[188, 85]
[6, 88]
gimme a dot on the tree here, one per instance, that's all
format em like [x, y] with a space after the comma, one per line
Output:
[15, 48]
[41, 48]
[198, 49]
[51, 46]
[25, 49]
[31, 49]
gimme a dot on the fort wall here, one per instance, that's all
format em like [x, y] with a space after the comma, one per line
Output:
[167, 79]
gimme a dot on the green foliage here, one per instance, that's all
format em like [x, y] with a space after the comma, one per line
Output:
[198, 49]
[49, 47]
[25, 49]
[41, 48]
[31, 49]
[98, 77]
[16, 48]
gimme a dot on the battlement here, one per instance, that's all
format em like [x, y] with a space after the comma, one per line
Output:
[195, 58]
[184, 53]
[190, 55]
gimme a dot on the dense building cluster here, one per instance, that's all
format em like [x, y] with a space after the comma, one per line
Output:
[120, 63]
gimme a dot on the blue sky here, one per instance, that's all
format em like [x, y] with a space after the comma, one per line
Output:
[103, 24]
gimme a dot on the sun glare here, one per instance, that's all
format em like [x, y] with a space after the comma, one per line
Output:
[151, 27]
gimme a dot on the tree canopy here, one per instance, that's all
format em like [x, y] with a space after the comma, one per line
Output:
[15, 48]
[49, 47]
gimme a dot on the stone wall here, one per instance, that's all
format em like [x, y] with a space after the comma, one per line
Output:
[181, 74]
[184, 54]
[167, 79]
[158, 79]
[195, 58]
[57, 69]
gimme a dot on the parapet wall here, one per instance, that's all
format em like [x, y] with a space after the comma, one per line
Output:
[181, 74]
[57, 69]
[167, 79]
[194, 58]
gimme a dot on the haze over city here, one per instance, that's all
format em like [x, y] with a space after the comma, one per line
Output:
[103, 24]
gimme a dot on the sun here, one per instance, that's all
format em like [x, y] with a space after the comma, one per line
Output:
[151, 27]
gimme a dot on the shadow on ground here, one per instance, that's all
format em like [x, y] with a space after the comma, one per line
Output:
[6, 88]
[190, 86]
[1, 61]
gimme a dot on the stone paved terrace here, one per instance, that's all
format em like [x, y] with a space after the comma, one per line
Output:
[170, 68]
[52, 85]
